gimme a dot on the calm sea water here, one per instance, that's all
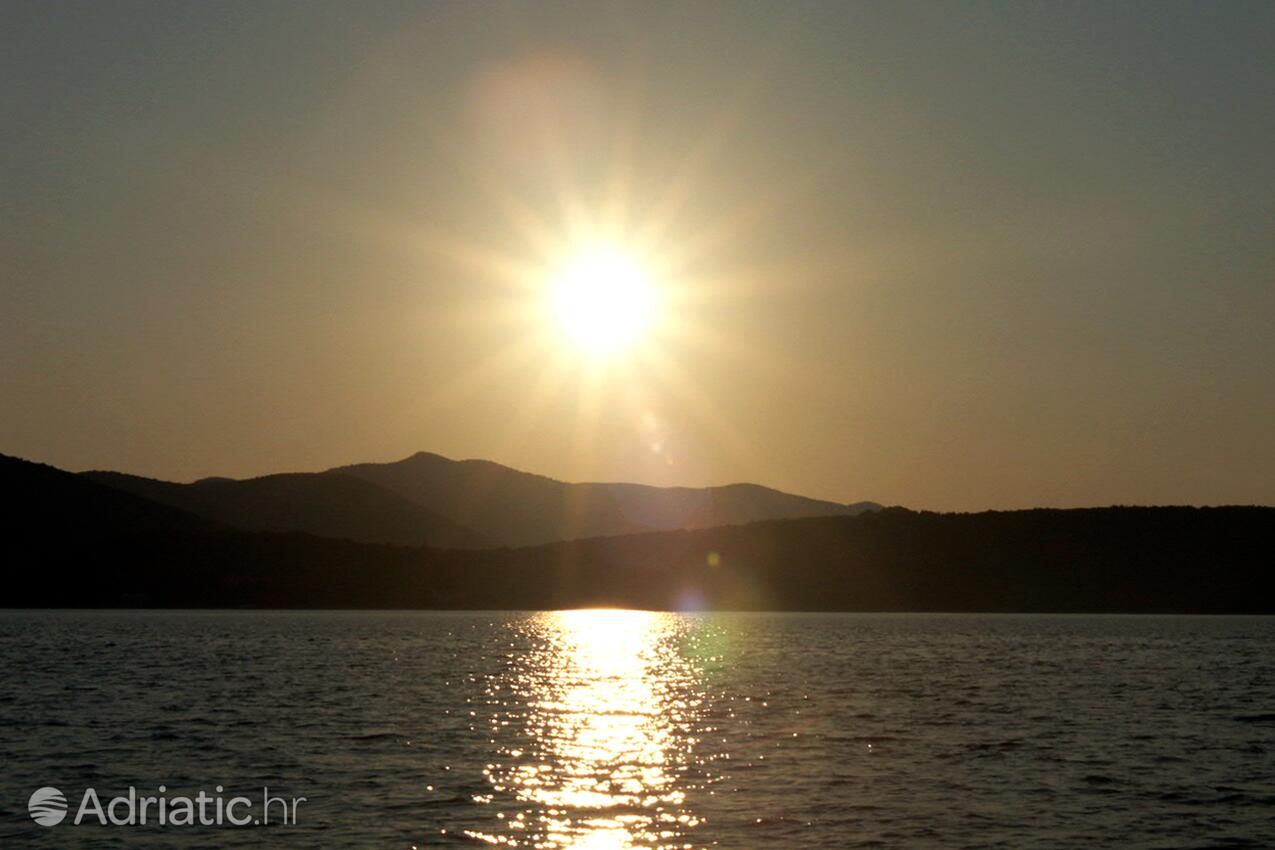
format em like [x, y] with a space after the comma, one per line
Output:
[598, 729]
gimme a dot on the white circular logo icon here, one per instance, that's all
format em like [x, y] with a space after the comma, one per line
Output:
[47, 806]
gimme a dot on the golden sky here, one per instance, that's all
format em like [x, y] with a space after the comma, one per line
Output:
[947, 256]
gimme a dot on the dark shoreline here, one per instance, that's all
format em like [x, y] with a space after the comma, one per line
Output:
[1115, 560]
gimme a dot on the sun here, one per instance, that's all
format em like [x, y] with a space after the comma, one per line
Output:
[603, 300]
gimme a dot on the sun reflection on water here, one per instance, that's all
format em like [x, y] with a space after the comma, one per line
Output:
[604, 740]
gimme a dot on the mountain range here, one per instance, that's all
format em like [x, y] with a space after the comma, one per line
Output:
[74, 540]
[430, 500]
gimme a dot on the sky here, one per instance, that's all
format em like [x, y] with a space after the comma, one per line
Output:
[950, 256]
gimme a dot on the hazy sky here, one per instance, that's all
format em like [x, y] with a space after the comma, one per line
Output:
[953, 256]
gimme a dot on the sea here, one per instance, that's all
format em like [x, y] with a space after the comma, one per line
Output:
[631, 729]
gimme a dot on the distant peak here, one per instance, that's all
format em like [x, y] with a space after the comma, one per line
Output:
[425, 456]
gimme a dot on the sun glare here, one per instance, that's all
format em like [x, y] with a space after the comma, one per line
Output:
[603, 301]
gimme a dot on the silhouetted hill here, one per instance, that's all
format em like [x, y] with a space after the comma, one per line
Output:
[503, 504]
[330, 505]
[45, 503]
[518, 508]
[69, 541]
[669, 508]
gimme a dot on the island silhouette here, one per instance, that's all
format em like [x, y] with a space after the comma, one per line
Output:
[429, 532]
